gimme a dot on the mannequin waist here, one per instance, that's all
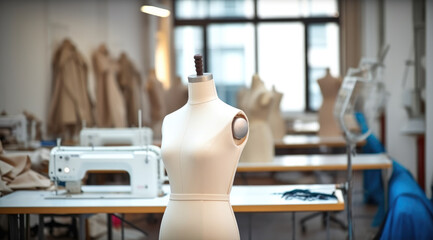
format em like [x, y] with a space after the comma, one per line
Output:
[199, 197]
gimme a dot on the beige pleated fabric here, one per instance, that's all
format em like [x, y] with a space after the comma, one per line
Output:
[16, 174]
[176, 96]
[158, 108]
[110, 105]
[129, 81]
[70, 103]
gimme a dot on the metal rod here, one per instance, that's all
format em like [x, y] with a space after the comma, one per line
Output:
[41, 226]
[293, 226]
[327, 226]
[109, 227]
[123, 227]
[21, 226]
[82, 229]
[350, 147]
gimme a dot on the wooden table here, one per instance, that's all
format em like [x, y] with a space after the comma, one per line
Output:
[332, 162]
[242, 198]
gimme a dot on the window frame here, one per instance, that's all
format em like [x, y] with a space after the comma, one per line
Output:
[256, 20]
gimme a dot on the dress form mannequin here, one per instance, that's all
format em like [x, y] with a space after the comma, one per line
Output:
[201, 145]
[329, 86]
[276, 120]
[258, 102]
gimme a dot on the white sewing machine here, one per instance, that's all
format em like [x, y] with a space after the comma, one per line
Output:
[17, 125]
[116, 136]
[144, 165]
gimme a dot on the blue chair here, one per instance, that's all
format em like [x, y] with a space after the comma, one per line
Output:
[372, 179]
[410, 214]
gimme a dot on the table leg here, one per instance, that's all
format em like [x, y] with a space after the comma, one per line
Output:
[123, 227]
[41, 227]
[13, 226]
[385, 188]
[27, 226]
[109, 227]
[250, 229]
[82, 227]
[327, 226]
[21, 226]
[293, 226]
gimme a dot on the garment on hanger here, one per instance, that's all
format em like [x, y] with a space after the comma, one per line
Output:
[329, 87]
[158, 106]
[129, 81]
[70, 103]
[176, 96]
[258, 103]
[110, 105]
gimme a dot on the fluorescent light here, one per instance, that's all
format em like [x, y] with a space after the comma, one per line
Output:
[157, 11]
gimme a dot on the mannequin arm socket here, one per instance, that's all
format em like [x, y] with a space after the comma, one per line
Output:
[239, 127]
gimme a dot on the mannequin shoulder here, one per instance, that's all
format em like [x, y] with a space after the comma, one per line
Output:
[240, 128]
[174, 117]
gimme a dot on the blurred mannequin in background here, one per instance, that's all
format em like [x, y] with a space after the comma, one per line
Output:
[329, 86]
[258, 104]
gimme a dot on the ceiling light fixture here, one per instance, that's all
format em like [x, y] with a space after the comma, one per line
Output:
[156, 11]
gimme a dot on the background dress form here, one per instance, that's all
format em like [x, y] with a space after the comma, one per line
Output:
[201, 157]
[258, 103]
[329, 86]
[276, 120]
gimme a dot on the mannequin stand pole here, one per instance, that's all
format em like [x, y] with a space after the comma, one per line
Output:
[350, 149]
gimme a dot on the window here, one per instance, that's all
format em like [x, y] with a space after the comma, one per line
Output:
[290, 43]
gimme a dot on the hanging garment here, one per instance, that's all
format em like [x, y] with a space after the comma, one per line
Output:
[176, 96]
[156, 96]
[110, 105]
[70, 103]
[129, 81]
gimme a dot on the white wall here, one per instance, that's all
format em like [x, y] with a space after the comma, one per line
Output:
[31, 30]
[399, 34]
[370, 28]
[370, 41]
[429, 98]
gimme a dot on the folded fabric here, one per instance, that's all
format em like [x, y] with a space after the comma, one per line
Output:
[16, 174]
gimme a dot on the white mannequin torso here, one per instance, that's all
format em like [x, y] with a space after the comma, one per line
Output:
[201, 156]
[329, 87]
[276, 119]
[258, 102]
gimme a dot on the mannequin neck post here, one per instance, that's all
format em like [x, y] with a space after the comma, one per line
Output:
[201, 92]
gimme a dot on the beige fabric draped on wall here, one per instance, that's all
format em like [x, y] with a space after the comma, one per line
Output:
[110, 105]
[350, 37]
[70, 102]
